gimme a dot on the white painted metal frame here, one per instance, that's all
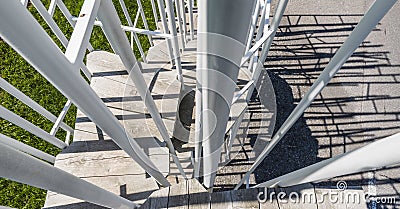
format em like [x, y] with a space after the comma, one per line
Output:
[64, 10]
[372, 17]
[183, 17]
[262, 35]
[164, 23]
[191, 21]
[47, 58]
[56, 30]
[146, 25]
[180, 20]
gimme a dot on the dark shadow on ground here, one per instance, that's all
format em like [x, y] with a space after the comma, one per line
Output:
[297, 149]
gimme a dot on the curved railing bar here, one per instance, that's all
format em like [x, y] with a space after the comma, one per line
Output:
[20, 167]
[384, 151]
[26, 148]
[32, 104]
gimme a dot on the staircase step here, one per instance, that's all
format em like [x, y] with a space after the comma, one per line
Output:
[175, 196]
[190, 194]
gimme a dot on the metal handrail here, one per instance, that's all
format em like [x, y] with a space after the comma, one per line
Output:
[19, 167]
[385, 152]
[47, 58]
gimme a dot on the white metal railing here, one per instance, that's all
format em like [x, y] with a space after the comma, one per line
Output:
[26, 148]
[372, 17]
[62, 70]
[19, 167]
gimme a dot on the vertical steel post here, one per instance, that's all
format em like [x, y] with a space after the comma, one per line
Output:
[154, 9]
[174, 39]
[183, 15]
[223, 31]
[191, 22]
[253, 24]
[179, 19]
[164, 22]
[375, 13]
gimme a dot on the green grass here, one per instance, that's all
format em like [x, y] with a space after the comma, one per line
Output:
[20, 74]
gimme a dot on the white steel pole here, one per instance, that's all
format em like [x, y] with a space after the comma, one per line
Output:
[154, 9]
[257, 67]
[223, 31]
[68, 16]
[191, 22]
[375, 13]
[174, 39]
[179, 19]
[120, 44]
[200, 62]
[164, 22]
[43, 54]
[276, 20]
[60, 118]
[381, 153]
[20, 167]
[253, 24]
[52, 7]
[183, 15]
[79, 40]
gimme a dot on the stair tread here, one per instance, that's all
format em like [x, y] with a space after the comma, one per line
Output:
[190, 194]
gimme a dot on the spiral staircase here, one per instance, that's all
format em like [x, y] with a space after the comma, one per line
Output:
[165, 131]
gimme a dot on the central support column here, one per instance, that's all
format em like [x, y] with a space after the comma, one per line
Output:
[222, 33]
